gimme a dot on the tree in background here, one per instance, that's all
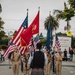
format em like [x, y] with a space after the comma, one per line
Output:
[2, 33]
[65, 14]
[72, 4]
[41, 35]
[54, 25]
[3, 37]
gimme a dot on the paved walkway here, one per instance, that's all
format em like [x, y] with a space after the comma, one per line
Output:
[64, 63]
[68, 63]
[4, 68]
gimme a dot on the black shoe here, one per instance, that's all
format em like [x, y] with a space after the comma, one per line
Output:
[9, 67]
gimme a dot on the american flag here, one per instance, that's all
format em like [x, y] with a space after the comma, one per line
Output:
[57, 42]
[9, 49]
[16, 38]
[32, 45]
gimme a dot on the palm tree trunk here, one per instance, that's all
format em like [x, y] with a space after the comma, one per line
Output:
[68, 25]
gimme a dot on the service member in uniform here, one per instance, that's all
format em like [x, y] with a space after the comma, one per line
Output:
[58, 61]
[16, 58]
[48, 67]
[25, 61]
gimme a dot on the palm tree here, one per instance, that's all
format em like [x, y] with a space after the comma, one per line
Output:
[65, 14]
[72, 3]
[54, 22]
[49, 19]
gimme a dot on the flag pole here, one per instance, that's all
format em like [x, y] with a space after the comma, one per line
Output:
[49, 12]
[38, 8]
[27, 10]
[50, 31]
[27, 18]
[27, 48]
[39, 20]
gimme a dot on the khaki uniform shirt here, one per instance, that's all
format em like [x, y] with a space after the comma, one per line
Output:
[15, 56]
[58, 57]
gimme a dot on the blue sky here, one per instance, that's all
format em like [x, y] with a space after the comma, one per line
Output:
[14, 12]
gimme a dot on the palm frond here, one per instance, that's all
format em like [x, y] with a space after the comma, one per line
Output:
[65, 6]
[57, 11]
[49, 19]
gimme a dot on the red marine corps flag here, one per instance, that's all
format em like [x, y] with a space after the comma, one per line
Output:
[30, 31]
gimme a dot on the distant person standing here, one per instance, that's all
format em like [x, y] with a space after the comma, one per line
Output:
[2, 52]
[71, 54]
[65, 54]
[15, 58]
[2, 55]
